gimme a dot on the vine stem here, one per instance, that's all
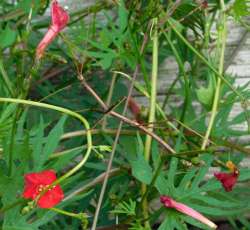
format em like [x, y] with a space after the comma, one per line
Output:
[151, 119]
[222, 32]
[66, 213]
[70, 113]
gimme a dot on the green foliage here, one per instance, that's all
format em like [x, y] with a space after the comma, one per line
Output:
[241, 8]
[126, 208]
[201, 195]
[101, 37]
[8, 37]
[51, 143]
[206, 95]
[141, 169]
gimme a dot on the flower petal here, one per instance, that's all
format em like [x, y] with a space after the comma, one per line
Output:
[60, 17]
[47, 39]
[47, 177]
[228, 180]
[51, 198]
[30, 192]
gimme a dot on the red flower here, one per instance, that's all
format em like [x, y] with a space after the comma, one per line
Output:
[228, 180]
[59, 19]
[170, 203]
[35, 183]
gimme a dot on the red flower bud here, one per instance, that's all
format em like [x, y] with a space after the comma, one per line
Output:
[59, 19]
[170, 203]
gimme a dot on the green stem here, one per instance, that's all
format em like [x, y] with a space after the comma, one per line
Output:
[6, 79]
[204, 60]
[63, 212]
[128, 132]
[152, 111]
[222, 31]
[68, 151]
[70, 113]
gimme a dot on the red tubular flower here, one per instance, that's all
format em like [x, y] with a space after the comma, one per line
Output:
[35, 183]
[170, 203]
[228, 180]
[59, 19]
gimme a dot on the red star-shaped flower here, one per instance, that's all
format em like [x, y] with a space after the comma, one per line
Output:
[59, 19]
[35, 183]
[228, 180]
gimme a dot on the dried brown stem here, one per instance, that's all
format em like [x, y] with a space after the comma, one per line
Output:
[123, 118]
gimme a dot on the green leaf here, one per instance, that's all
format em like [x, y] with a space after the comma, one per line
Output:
[141, 169]
[52, 142]
[241, 8]
[162, 184]
[170, 221]
[69, 155]
[8, 37]
[122, 16]
[194, 222]
[26, 5]
[171, 173]
[37, 143]
[128, 208]
[206, 95]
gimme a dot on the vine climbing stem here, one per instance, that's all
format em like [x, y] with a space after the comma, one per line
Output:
[222, 32]
[152, 111]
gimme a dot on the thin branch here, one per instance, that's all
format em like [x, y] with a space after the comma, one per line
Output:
[96, 132]
[123, 118]
[94, 182]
